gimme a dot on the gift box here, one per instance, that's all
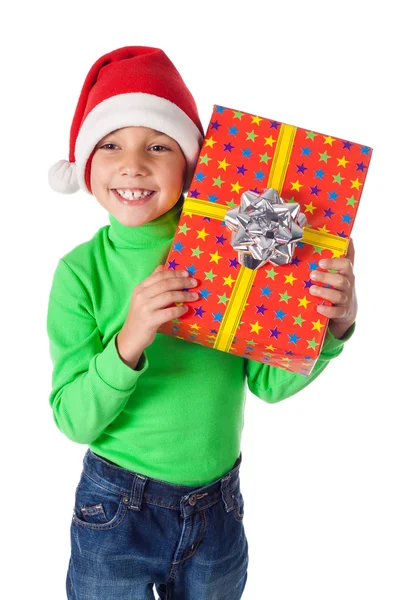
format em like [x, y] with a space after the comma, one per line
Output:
[252, 306]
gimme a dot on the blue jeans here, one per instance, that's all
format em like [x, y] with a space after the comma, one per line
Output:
[129, 532]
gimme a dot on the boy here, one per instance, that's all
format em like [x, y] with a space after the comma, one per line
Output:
[159, 499]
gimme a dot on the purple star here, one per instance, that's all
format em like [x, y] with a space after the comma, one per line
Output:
[214, 332]
[172, 264]
[233, 262]
[256, 190]
[241, 170]
[315, 190]
[301, 168]
[221, 239]
[342, 233]
[199, 312]
[215, 125]
[347, 145]
[360, 167]
[274, 124]
[228, 147]
[261, 309]
[275, 332]
[296, 261]
[307, 284]
[194, 193]
[328, 213]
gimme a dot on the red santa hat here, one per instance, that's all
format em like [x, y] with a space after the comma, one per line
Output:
[134, 85]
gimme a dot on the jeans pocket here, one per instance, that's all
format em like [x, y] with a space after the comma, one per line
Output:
[239, 503]
[97, 507]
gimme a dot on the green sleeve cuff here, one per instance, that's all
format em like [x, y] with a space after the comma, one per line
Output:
[114, 372]
[332, 346]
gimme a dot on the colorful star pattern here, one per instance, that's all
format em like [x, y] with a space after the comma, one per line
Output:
[279, 325]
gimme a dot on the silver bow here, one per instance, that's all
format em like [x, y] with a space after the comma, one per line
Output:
[265, 228]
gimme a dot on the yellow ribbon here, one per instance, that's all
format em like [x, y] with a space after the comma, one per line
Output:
[245, 278]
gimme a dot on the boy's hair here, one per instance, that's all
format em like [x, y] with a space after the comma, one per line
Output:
[134, 85]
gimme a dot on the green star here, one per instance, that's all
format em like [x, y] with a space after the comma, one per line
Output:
[325, 156]
[338, 178]
[194, 332]
[271, 273]
[298, 320]
[218, 181]
[238, 115]
[224, 299]
[312, 344]
[269, 354]
[251, 135]
[205, 159]
[209, 275]
[231, 204]
[184, 228]
[317, 250]
[196, 251]
[211, 339]
[177, 321]
[251, 342]
[285, 297]
[264, 158]
[352, 201]
[310, 135]
[290, 199]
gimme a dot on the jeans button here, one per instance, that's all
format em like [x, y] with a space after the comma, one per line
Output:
[192, 500]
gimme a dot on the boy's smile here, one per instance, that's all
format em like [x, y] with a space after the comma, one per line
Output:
[137, 174]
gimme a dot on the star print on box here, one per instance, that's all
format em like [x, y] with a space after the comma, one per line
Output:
[267, 315]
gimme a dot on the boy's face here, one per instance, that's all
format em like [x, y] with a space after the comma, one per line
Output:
[137, 159]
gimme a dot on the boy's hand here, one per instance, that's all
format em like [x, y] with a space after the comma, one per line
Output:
[148, 310]
[342, 292]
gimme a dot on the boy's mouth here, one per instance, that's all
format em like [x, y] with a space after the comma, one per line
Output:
[133, 194]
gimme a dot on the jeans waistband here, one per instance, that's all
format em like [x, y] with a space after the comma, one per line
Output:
[137, 488]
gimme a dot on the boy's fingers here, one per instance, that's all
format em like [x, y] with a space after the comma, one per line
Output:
[159, 274]
[350, 251]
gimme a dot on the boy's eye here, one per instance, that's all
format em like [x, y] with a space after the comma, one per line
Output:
[106, 146]
[159, 146]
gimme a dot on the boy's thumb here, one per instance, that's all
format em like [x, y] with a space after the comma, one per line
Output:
[158, 269]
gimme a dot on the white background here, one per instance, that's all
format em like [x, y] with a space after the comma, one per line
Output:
[320, 470]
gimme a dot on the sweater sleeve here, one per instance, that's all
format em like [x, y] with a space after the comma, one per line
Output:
[273, 385]
[90, 383]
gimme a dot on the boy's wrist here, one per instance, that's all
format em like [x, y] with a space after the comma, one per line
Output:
[128, 353]
[338, 331]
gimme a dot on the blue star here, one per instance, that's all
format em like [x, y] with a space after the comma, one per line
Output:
[333, 195]
[300, 244]
[275, 332]
[259, 175]
[178, 246]
[365, 150]
[319, 174]
[328, 213]
[172, 264]
[217, 316]
[280, 314]
[361, 167]
[295, 261]
[213, 198]
[306, 151]
[293, 339]
[199, 312]
[241, 170]
[266, 291]
[200, 176]
[261, 309]
[220, 109]
[274, 125]
[228, 147]
[347, 145]
[315, 190]
[221, 239]
[246, 152]
[233, 262]
[233, 130]
[313, 265]
[301, 168]
[215, 125]
[204, 293]
[192, 270]
[346, 218]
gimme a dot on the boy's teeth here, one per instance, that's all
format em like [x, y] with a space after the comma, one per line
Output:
[128, 195]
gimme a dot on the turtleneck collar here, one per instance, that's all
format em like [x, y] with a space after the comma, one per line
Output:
[148, 235]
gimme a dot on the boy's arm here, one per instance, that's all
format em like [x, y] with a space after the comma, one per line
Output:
[90, 383]
[273, 385]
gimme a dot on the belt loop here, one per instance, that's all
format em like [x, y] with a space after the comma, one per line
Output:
[135, 500]
[226, 495]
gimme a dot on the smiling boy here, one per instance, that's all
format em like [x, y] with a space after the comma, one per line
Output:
[159, 499]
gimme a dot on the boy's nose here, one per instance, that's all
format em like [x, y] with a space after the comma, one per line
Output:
[134, 164]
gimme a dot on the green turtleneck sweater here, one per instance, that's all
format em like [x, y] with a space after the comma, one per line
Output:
[178, 416]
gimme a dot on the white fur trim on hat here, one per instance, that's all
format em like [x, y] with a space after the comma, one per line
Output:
[62, 177]
[137, 109]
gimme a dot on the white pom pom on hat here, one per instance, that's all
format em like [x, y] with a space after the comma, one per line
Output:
[134, 85]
